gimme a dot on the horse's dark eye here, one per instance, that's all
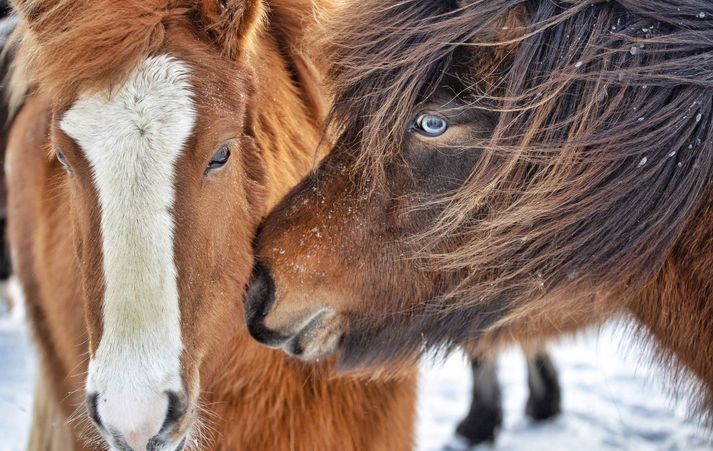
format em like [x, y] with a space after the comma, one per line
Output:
[430, 125]
[62, 159]
[219, 158]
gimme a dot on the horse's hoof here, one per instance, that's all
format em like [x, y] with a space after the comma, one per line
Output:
[543, 409]
[474, 430]
[545, 406]
[545, 394]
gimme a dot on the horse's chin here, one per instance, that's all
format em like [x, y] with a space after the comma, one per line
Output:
[320, 338]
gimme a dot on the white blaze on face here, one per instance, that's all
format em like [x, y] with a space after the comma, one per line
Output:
[132, 137]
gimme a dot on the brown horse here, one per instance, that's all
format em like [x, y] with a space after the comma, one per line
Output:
[172, 126]
[502, 169]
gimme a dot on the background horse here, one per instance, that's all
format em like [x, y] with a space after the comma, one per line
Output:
[502, 169]
[7, 25]
[173, 127]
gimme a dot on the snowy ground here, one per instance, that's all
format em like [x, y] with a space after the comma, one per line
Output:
[16, 380]
[610, 402]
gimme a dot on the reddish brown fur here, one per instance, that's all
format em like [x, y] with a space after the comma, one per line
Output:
[252, 398]
[577, 187]
[58, 329]
[64, 64]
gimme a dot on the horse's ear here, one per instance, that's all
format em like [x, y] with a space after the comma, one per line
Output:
[234, 24]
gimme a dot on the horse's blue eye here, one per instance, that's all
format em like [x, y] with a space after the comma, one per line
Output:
[430, 125]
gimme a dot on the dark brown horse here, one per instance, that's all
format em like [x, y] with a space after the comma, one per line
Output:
[502, 169]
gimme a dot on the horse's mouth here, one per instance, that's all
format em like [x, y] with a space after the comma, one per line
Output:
[313, 337]
[319, 338]
[153, 445]
[157, 443]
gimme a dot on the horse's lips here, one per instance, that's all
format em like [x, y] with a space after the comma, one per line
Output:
[311, 337]
[276, 339]
[118, 443]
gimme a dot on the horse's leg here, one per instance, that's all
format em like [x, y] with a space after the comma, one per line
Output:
[7, 25]
[5, 268]
[49, 430]
[486, 412]
[543, 382]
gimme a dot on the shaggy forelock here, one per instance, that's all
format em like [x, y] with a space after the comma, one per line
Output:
[67, 46]
[384, 58]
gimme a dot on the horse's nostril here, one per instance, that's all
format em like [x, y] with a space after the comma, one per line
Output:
[258, 301]
[177, 408]
[92, 408]
[261, 292]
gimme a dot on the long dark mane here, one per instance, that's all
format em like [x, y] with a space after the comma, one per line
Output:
[601, 156]
[602, 149]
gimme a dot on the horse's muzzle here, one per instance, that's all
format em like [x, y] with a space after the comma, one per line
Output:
[307, 335]
[128, 440]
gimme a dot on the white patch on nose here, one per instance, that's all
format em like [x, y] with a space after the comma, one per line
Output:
[132, 137]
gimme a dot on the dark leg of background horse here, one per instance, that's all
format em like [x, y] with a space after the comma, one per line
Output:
[542, 379]
[6, 302]
[485, 416]
[486, 412]
[6, 27]
[5, 263]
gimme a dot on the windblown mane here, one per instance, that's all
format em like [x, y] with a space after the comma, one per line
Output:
[602, 150]
[74, 46]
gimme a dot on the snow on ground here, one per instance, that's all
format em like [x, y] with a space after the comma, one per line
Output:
[610, 402]
[17, 367]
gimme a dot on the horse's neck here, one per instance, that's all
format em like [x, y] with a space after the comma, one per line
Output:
[677, 307]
